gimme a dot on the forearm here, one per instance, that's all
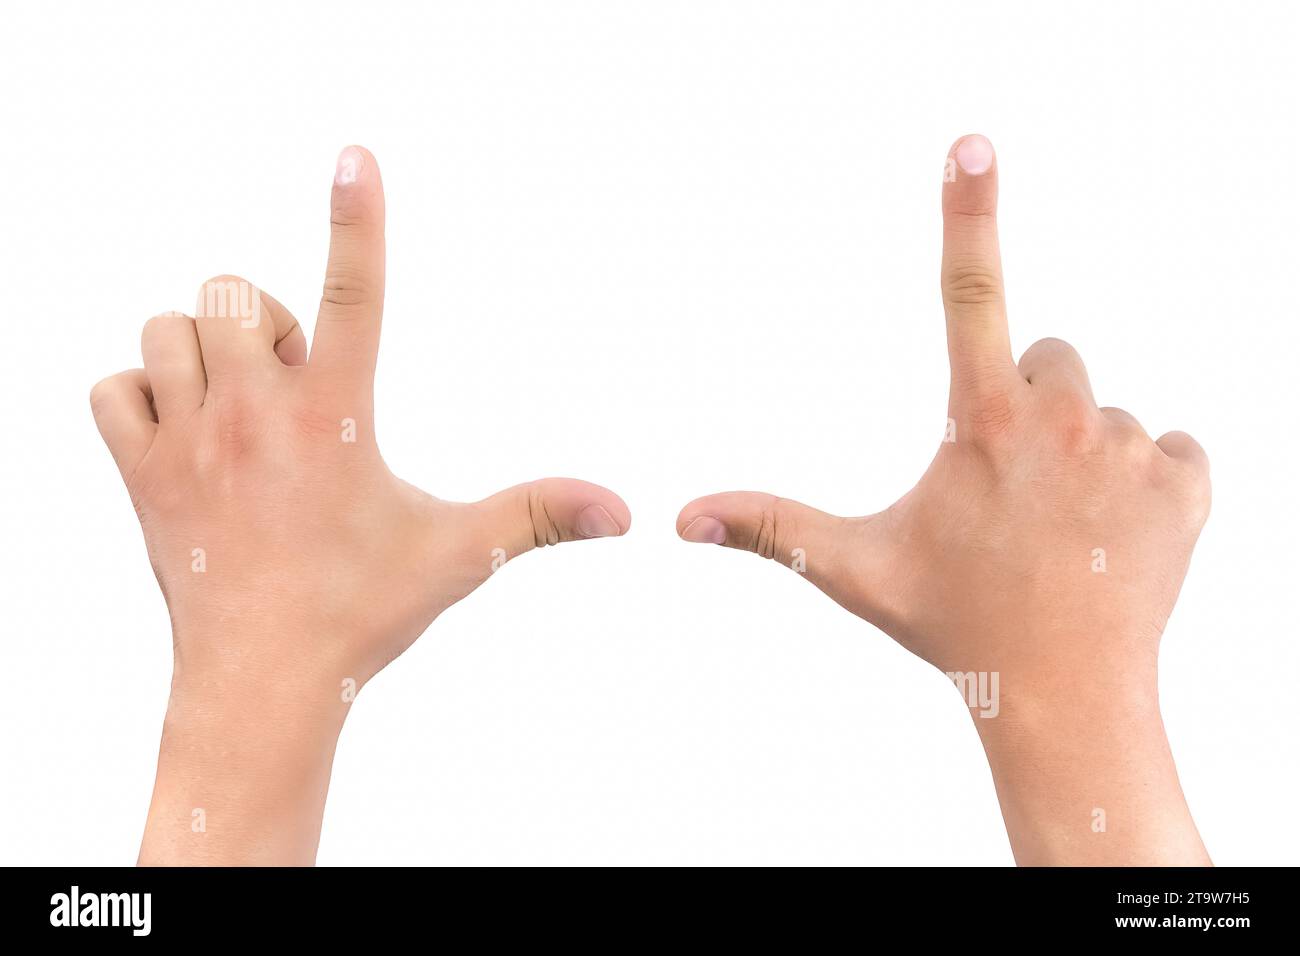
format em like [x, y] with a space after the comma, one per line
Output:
[1090, 782]
[243, 771]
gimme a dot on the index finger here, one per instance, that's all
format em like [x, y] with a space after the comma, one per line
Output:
[979, 348]
[352, 302]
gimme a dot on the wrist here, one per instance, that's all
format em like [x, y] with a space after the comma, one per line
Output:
[245, 758]
[1036, 709]
[238, 787]
[1085, 776]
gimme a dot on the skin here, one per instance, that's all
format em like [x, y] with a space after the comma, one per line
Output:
[294, 564]
[1046, 544]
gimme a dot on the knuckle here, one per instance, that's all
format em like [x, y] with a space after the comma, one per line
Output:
[1189, 448]
[1051, 342]
[226, 296]
[225, 279]
[763, 539]
[972, 282]
[1133, 445]
[1126, 432]
[346, 287]
[1049, 349]
[991, 413]
[101, 394]
[312, 424]
[1193, 491]
[150, 331]
[1201, 501]
[545, 530]
[1076, 424]
[159, 324]
[352, 216]
[237, 427]
[1076, 437]
[1133, 441]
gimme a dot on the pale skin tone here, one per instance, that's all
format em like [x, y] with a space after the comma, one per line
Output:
[1047, 542]
[295, 565]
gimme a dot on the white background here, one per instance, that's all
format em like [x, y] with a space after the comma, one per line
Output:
[674, 248]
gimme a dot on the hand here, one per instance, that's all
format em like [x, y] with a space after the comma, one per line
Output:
[294, 564]
[1036, 562]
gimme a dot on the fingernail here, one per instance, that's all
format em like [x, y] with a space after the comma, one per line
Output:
[705, 530]
[595, 522]
[975, 155]
[349, 166]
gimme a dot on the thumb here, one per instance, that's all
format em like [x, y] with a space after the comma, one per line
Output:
[771, 527]
[836, 554]
[548, 511]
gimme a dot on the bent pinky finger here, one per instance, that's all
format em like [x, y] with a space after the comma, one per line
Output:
[1183, 446]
